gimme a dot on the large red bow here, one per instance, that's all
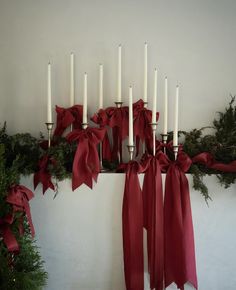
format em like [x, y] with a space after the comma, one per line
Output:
[153, 220]
[180, 265]
[42, 175]
[101, 118]
[66, 117]
[208, 160]
[86, 165]
[132, 221]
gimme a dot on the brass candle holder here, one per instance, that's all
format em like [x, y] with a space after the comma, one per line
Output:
[84, 125]
[175, 149]
[145, 104]
[164, 138]
[131, 151]
[154, 128]
[49, 126]
[119, 104]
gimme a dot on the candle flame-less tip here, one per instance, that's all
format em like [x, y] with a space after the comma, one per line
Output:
[120, 45]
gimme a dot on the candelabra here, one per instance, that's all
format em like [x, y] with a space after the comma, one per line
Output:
[84, 125]
[118, 104]
[175, 149]
[131, 151]
[154, 127]
[164, 141]
[49, 126]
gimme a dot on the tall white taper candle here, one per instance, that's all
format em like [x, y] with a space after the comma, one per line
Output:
[49, 96]
[119, 75]
[154, 108]
[72, 80]
[176, 118]
[145, 74]
[131, 134]
[85, 99]
[165, 107]
[100, 86]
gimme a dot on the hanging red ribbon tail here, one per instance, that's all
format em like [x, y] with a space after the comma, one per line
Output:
[86, 165]
[153, 222]
[42, 175]
[180, 265]
[7, 234]
[19, 197]
[101, 118]
[208, 160]
[132, 221]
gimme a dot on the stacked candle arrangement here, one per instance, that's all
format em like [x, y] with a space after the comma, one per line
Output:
[119, 102]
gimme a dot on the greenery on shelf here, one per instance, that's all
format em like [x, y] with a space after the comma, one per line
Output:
[23, 270]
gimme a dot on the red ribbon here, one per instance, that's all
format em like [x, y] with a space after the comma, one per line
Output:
[153, 221]
[101, 118]
[132, 222]
[66, 117]
[142, 120]
[42, 175]
[19, 197]
[180, 265]
[119, 122]
[86, 165]
[208, 160]
[7, 234]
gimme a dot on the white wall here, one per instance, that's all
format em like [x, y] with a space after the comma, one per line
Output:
[80, 235]
[192, 42]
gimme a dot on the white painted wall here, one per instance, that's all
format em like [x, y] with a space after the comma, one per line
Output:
[192, 42]
[80, 235]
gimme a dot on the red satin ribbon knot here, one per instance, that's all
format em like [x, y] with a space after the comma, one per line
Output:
[86, 165]
[42, 175]
[68, 116]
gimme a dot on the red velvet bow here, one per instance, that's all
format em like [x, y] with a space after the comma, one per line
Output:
[101, 118]
[119, 122]
[208, 160]
[153, 220]
[66, 117]
[180, 265]
[142, 120]
[132, 221]
[43, 176]
[7, 234]
[19, 197]
[86, 165]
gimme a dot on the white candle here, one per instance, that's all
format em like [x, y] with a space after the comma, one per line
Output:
[165, 107]
[131, 134]
[85, 100]
[154, 108]
[145, 74]
[49, 99]
[100, 86]
[72, 80]
[176, 117]
[119, 75]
